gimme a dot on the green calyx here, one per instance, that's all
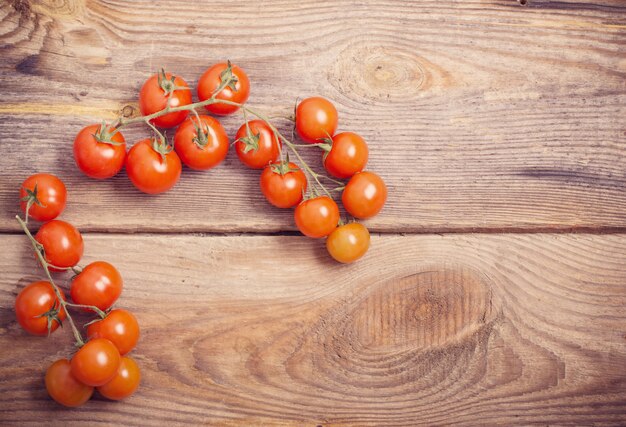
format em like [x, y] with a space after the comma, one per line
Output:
[228, 79]
[161, 146]
[283, 167]
[104, 134]
[31, 198]
[326, 145]
[202, 134]
[52, 316]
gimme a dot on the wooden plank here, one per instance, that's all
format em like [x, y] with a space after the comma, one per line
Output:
[481, 115]
[253, 330]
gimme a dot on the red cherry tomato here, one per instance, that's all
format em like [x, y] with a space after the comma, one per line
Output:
[238, 91]
[283, 184]
[62, 243]
[161, 90]
[120, 327]
[317, 217]
[96, 363]
[124, 383]
[201, 145]
[38, 310]
[99, 284]
[63, 387]
[149, 171]
[347, 156]
[316, 119]
[364, 195]
[48, 201]
[348, 242]
[97, 158]
[258, 147]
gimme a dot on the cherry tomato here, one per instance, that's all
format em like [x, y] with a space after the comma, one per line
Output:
[238, 91]
[96, 363]
[148, 170]
[99, 284]
[348, 242]
[62, 243]
[161, 90]
[124, 383]
[316, 119]
[63, 387]
[283, 184]
[120, 327]
[38, 310]
[257, 149]
[96, 157]
[201, 145]
[47, 195]
[347, 156]
[364, 195]
[317, 217]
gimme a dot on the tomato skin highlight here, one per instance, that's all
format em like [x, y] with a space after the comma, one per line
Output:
[124, 383]
[267, 151]
[152, 98]
[99, 284]
[99, 160]
[317, 217]
[34, 300]
[207, 156]
[283, 191]
[364, 195]
[347, 156]
[62, 243]
[349, 242]
[210, 81]
[96, 363]
[120, 327]
[51, 192]
[316, 119]
[63, 387]
[148, 171]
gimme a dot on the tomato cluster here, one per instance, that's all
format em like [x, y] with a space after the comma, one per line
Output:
[200, 142]
[41, 307]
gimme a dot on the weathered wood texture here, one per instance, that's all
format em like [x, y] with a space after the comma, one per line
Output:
[472, 329]
[480, 114]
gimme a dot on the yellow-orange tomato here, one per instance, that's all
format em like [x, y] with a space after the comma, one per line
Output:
[364, 195]
[63, 387]
[124, 383]
[348, 243]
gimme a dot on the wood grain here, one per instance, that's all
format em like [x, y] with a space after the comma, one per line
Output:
[481, 115]
[427, 330]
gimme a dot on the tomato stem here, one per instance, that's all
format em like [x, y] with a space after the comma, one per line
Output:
[64, 304]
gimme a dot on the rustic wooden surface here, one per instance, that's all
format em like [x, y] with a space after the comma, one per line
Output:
[500, 128]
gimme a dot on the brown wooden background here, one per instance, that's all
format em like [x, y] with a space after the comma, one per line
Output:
[495, 289]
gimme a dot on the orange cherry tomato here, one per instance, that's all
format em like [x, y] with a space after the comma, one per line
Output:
[364, 195]
[348, 242]
[97, 159]
[63, 387]
[259, 148]
[124, 383]
[161, 90]
[347, 156]
[48, 201]
[316, 119]
[283, 184]
[317, 217]
[99, 284]
[96, 363]
[32, 304]
[120, 327]
[149, 171]
[210, 81]
[62, 243]
[201, 145]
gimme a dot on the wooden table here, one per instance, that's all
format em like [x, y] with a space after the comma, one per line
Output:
[495, 288]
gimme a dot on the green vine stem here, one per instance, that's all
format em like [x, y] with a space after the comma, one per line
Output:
[64, 304]
[122, 122]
